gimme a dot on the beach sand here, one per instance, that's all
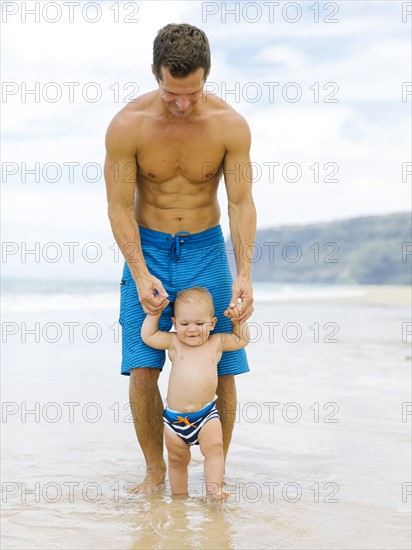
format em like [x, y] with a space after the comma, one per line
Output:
[400, 295]
[320, 456]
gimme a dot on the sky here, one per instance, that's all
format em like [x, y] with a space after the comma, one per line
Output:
[325, 87]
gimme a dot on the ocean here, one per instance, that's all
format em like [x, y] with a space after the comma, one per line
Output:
[320, 456]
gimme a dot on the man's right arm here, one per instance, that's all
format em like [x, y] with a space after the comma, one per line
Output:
[120, 172]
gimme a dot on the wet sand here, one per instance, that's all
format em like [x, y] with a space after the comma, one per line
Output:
[320, 456]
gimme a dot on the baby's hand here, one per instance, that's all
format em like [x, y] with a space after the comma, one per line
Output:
[234, 312]
[164, 306]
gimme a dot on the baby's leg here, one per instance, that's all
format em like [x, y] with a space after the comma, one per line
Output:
[178, 459]
[211, 445]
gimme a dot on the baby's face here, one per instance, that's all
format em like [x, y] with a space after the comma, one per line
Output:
[193, 322]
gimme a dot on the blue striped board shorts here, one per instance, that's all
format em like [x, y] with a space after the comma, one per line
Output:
[179, 262]
[188, 425]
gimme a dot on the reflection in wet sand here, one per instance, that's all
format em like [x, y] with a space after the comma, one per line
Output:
[179, 524]
[319, 458]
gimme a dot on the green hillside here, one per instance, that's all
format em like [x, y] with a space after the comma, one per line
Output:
[367, 250]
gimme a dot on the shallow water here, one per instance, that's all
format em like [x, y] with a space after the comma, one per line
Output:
[320, 456]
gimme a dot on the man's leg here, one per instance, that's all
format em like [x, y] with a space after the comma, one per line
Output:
[226, 404]
[147, 407]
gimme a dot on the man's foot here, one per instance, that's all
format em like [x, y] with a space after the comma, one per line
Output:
[153, 480]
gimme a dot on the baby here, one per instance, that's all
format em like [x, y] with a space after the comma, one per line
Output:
[191, 416]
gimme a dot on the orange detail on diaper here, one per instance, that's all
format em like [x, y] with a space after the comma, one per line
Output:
[185, 421]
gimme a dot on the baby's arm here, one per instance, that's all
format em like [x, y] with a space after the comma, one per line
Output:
[152, 336]
[237, 339]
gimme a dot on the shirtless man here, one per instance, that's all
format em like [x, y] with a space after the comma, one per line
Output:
[166, 153]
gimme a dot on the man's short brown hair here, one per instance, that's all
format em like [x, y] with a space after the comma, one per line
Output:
[181, 49]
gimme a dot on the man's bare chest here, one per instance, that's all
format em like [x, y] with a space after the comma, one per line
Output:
[196, 155]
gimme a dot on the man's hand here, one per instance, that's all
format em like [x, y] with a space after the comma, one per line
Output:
[242, 288]
[163, 306]
[152, 302]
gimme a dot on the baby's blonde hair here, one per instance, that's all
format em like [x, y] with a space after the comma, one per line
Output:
[198, 294]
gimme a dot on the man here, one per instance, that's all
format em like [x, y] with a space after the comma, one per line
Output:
[166, 153]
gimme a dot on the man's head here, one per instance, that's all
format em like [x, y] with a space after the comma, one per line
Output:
[193, 315]
[181, 63]
[181, 49]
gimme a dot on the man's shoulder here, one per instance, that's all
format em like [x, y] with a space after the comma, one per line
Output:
[132, 114]
[233, 127]
[224, 109]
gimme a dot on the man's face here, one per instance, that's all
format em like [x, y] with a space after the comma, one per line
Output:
[180, 95]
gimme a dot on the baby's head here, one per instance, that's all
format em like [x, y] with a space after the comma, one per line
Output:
[195, 295]
[193, 315]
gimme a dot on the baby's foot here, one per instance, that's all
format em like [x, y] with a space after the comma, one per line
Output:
[219, 496]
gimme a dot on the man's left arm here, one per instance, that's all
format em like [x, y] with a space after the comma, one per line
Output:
[242, 213]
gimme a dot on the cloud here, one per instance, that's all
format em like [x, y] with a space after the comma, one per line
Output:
[361, 61]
